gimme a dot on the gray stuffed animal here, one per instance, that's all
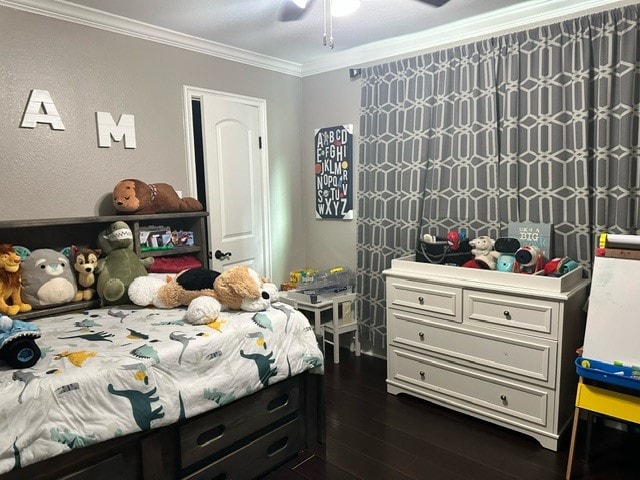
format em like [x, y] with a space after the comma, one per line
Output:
[47, 278]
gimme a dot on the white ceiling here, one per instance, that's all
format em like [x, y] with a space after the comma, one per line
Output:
[251, 30]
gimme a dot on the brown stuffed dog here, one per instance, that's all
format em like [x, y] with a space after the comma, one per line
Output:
[239, 288]
[136, 197]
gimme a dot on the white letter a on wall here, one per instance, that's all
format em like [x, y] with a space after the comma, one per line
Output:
[40, 109]
[107, 129]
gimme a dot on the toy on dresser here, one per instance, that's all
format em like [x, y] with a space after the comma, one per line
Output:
[10, 287]
[85, 261]
[528, 259]
[484, 254]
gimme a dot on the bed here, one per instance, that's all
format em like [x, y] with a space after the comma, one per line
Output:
[127, 392]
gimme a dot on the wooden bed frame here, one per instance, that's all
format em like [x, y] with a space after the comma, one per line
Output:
[244, 439]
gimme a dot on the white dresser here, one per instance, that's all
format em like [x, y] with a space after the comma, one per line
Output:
[498, 346]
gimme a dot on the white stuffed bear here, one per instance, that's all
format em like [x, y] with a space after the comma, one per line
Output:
[483, 251]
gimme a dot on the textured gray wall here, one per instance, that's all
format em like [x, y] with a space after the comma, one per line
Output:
[329, 99]
[49, 174]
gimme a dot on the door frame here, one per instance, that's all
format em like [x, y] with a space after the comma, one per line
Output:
[190, 93]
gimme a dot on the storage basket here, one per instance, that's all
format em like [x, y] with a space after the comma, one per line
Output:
[440, 252]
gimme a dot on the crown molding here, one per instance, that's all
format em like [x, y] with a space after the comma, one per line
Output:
[517, 17]
[61, 10]
[506, 20]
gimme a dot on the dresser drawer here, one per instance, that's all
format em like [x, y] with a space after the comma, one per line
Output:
[211, 432]
[511, 312]
[471, 390]
[438, 300]
[517, 356]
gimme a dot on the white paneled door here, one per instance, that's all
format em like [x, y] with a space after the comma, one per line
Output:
[236, 180]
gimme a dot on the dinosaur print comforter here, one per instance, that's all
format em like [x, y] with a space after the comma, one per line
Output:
[112, 371]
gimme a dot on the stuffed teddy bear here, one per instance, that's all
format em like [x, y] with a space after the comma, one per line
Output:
[120, 266]
[84, 263]
[10, 286]
[47, 278]
[483, 251]
[136, 197]
[239, 288]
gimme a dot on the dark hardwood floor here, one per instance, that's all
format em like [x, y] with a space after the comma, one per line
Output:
[375, 435]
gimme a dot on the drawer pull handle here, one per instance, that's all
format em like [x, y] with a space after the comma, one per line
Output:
[210, 435]
[278, 402]
[506, 314]
[421, 300]
[422, 374]
[421, 335]
[277, 446]
[503, 397]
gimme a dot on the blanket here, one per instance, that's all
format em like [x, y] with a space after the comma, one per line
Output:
[113, 371]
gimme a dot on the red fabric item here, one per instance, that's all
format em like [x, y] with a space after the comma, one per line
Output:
[174, 264]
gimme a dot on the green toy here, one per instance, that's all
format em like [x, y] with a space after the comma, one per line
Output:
[119, 265]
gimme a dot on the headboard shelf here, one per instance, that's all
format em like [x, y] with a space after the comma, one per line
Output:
[58, 309]
[59, 233]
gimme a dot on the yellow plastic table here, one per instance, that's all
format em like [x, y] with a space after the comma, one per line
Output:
[602, 400]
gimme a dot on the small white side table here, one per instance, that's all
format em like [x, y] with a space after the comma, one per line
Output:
[337, 323]
[315, 308]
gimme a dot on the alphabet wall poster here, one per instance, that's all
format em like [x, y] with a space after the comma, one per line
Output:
[334, 172]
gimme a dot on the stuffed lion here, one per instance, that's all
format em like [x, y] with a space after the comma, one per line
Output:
[10, 287]
[136, 197]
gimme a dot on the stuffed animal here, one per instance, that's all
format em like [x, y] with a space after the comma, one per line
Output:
[239, 288]
[120, 266]
[10, 287]
[173, 292]
[136, 197]
[47, 278]
[84, 263]
[483, 251]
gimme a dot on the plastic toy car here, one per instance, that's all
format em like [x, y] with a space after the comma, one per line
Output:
[17, 343]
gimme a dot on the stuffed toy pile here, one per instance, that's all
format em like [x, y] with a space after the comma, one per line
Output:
[136, 197]
[206, 294]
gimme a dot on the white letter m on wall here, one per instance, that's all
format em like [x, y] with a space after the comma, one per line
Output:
[108, 129]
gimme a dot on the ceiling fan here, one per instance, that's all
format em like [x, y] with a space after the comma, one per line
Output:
[293, 10]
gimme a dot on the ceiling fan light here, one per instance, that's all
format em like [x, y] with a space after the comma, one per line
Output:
[341, 8]
[300, 3]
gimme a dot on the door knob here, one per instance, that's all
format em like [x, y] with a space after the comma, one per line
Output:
[220, 255]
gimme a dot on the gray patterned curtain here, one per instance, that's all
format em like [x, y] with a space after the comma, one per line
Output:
[537, 126]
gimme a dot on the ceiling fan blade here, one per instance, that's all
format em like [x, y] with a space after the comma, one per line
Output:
[435, 3]
[290, 12]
